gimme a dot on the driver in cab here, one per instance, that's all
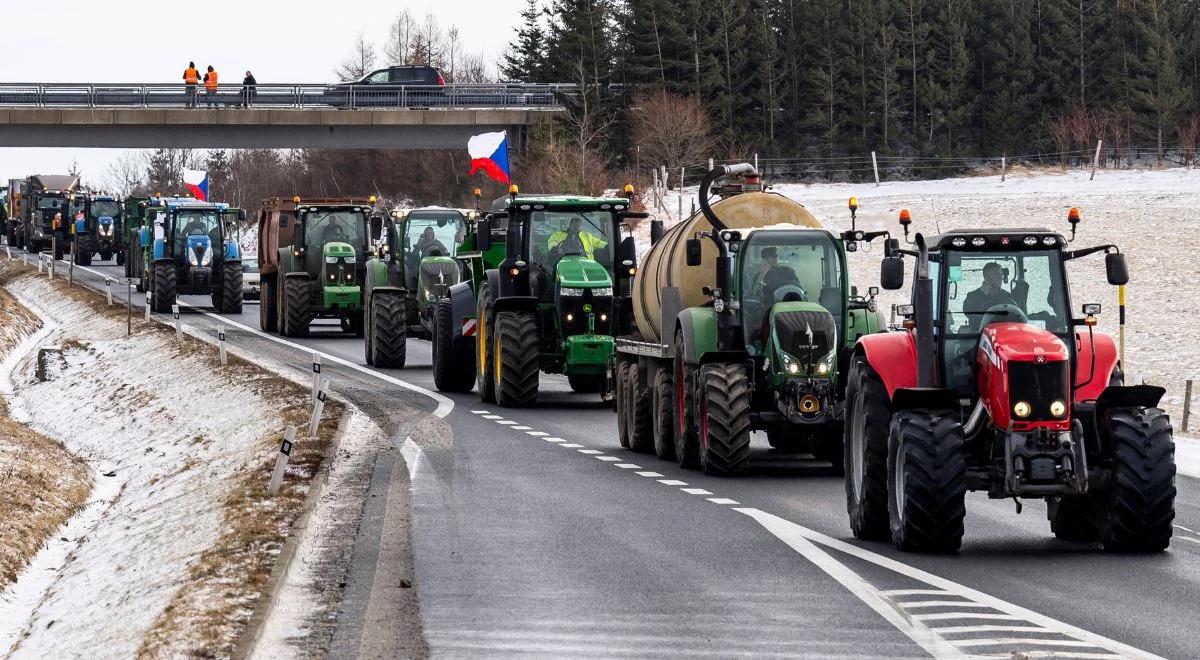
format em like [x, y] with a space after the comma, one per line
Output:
[575, 241]
[428, 244]
[334, 232]
[988, 295]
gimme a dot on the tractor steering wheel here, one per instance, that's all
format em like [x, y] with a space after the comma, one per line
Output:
[1002, 313]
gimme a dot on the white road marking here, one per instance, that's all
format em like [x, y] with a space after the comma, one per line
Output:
[952, 630]
[537, 434]
[521, 428]
[480, 412]
[695, 491]
[553, 439]
[571, 445]
[1189, 531]
[940, 603]
[590, 451]
[608, 459]
[914, 592]
[721, 500]
[672, 482]
[648, 474]
[804, 540]
[1185, 538]
[1029, 655]
[1001, 641]
[629, 466]
[505, 422]
[493, 417]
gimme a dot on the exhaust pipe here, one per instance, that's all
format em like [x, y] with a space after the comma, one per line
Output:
[975, 421]
[923, 297]
[706, 184]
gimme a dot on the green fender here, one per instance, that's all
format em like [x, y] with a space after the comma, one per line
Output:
[699, 327]
[862, 322]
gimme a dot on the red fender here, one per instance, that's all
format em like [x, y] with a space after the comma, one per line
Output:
[893, 355]
[1091, 382]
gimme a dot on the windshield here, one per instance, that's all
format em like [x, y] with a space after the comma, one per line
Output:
[804, 266]
[198, 222]
[996, 287]
[49, 202]
[432, 233]
[555, 234]
[105, 207]
[250, 265]
[340, 226]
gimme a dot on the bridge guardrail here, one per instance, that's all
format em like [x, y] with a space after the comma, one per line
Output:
[337, 95]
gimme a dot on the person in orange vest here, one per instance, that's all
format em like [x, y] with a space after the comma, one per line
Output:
[191, 78]
[210, 87]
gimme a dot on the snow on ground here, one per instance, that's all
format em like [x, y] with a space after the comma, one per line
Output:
[169, 446]
[1150, 214]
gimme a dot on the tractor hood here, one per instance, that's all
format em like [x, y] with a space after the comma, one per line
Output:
[1020, 342]
[199, 250]
[105, 225]
[1024, 377]
[339, 251]
[437, 275]
[582, 273]
[805, 335]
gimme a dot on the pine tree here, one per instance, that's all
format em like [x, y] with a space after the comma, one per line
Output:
[1158, 92]
[526, 59]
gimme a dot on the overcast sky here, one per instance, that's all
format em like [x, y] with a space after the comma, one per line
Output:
[152, 41]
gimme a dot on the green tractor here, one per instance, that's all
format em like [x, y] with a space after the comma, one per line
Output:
[312, 258]
[414, 271]
[764, 350]
[547, 287]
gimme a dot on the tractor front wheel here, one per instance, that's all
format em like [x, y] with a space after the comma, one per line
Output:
[453, 360]
[1137, 509]
[387, 340]
[268, 305]
[724, 419]
[866, 449]
[927, 481]
[621, 401]
[516, 358]
[1073, 519]
[296, 315]
[164, 291]
[81, 252]
[687, 448]
[664, 419]
[228, 298]
[485, 365]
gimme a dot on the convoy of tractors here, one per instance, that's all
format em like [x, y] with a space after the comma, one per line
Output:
[741, 318]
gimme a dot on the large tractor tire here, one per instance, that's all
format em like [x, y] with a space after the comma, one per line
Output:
[1137, 509]
[724, 419]
[164, 289]
[621, 401]
[296, 307]
[641, 412]
[60, 248]
[228, 298]
[516, 358]
[268, 305]
[866, 445]
[664, 415]
[585, 383]
[1074, 519]
[927, 479]
[81, 252]
[387, 336]
[120, 256]
[485, 365]
[453, 361]
[687, 443]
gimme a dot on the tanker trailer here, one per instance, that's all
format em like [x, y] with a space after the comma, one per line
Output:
[744, 318]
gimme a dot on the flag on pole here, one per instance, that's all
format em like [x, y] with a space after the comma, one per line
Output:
[489, 152]
[197, 182]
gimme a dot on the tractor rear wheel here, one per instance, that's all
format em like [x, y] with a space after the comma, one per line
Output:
[624, 410]
[866, 449]
[927, 481]
[164, 287]
[641, 412]
[228, 298]
[1073, 519]
[664, 420]
[296, 315]
[485, 380]
[268, 305]
[585, 383]
[387, 340]
[516, 357]
[724, 419]
[453, 359]
[1137, 509]
[687, 449]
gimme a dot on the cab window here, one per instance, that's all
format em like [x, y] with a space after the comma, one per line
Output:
[556, 234]
[788, 266]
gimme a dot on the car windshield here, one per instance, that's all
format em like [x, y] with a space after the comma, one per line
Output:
[250, 265]
[996, 287]
[434, 232]
[198, 222]
[49, 202]
[555, 234]
[780, 266]
[105, 207]
[340, 226]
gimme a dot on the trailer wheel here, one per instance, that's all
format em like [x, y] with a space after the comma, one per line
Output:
[1073, 519]
[927, 481]
[228, 298]
[866, 448]
[641, 412]
[724, 419]
[164, 287]
[516, 358]
[387, 340]
[585, 383]
[687, 450]
[1137, 509]
[453, 361]
[484, 364]
[268, 305]
[296, 315]
[664, 420]
[624, 411]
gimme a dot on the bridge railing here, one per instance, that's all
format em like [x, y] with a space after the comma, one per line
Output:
[337, 95]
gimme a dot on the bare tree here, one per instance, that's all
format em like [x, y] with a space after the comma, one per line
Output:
[125, 175]
[397, 49]
[1189, 138]
[671, 129]
[432, 42]
[453, 43]
[472, 69]
[360, 62]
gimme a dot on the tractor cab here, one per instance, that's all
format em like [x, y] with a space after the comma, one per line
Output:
[194, 251]
[330, 245]
[430, 239]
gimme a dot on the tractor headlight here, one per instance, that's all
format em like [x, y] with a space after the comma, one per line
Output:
[792, 367]
[569, 291]
[1058, 408]
[718, 305]
[207, 258]
[1022, 409]
[602, 291]
[192, 259]
[823, 369]
[331, 260]
[350, 259]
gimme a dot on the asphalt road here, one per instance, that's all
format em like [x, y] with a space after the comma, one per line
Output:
[534, 533]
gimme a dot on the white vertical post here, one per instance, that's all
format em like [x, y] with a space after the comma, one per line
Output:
[41, 262]
[654, 185]
[756, 162]
[108, 290]
[316, 378]
[281, 460]
[221, 344]
[178, 326]
[8, 251]
[1096, 160]
[71, 270]
[148, 294]
[710, 164]
[318, 407]
[52, 265]
[875, 166]
[1003, 167]
[681, 173]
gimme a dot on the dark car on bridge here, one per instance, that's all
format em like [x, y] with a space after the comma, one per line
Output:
[396, 86]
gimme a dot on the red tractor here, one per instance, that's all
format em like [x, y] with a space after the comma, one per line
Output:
[992, 385]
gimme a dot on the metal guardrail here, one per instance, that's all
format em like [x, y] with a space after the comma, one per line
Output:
[337, 95]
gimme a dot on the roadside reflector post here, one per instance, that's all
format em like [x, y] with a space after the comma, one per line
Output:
[1003, 167]
[681, 173]
[71, 270]
[40, 262]
[53, 263]
[1187, 404]
[221, 344]
[148, 294]
[178, 325]
[128, 306]
[8, 251]
[318, 407]
[1096, 160]
[316, 378]
[875, 167]
[108, 290]
[281, 459]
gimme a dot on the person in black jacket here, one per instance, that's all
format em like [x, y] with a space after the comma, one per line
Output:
[249, 89]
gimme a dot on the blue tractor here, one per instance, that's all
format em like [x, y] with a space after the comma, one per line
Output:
[99, 232]
[194, 251]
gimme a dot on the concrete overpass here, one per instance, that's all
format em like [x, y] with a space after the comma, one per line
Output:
[238, 128]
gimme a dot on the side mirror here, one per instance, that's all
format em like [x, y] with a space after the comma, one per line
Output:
[376, 223]
[1115, 268]
[241, 215]
[890, 246]
[656, 231]
[692, 250]
[627, 251]
[483, 235]
[891, 273]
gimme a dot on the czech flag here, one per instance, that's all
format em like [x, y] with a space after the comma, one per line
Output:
[197, 182]
[489, 152]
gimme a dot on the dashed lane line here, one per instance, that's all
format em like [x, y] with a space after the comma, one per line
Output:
[629, 466]
[672, 482]
[695, 491]
[649, 474]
